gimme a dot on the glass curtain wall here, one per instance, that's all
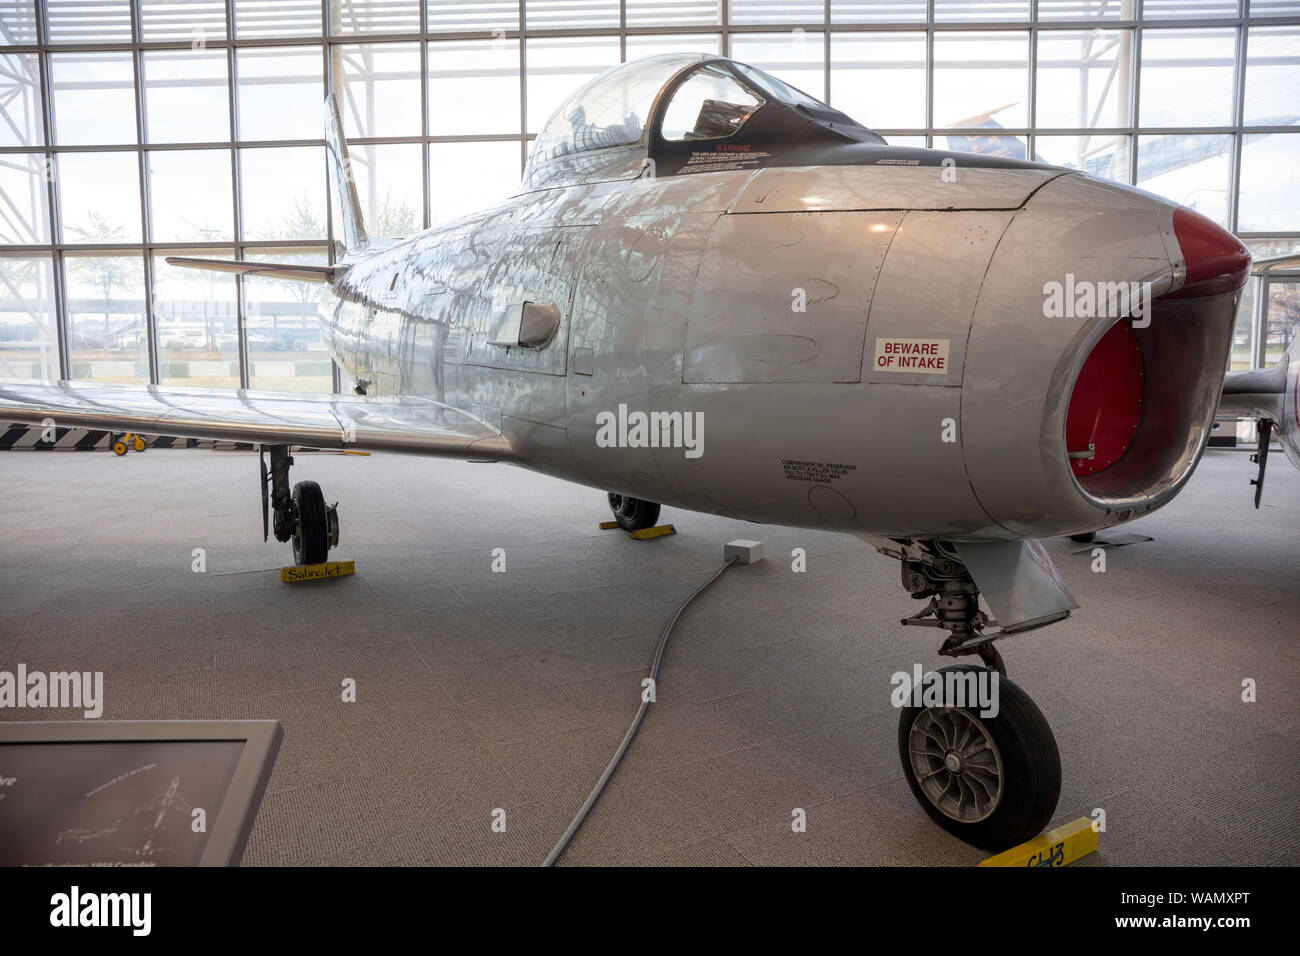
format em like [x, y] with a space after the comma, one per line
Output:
[131, 130]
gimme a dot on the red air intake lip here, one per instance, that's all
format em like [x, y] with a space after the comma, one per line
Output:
[1216, 259]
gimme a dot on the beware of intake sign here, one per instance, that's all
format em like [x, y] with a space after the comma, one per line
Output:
[912, 355]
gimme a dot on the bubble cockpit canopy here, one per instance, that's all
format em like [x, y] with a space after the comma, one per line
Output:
[610, 109]
[680, 113]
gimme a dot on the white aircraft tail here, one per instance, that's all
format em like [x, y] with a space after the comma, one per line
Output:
[342, 184]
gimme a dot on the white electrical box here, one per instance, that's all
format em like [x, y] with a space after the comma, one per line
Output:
[749, 552]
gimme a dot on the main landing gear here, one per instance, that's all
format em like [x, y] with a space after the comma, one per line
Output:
[122, 443]
[301, 517]
[633, 514]
[990, 776]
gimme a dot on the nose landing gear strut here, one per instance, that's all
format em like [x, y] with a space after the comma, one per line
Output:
[302, 516]
[989, 775]
[954, 606]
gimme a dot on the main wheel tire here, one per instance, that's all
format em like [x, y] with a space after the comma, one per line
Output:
[119, 448]
[633, 514]
[1086, 538]
[138, 443]
[311, 532]
[991, 781]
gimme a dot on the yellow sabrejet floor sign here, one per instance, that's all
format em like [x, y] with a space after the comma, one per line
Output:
[1056, 847]
[315, 572]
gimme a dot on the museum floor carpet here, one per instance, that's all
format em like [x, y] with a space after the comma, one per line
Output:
[480, 691]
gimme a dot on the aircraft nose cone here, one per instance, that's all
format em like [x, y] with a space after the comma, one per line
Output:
[1216, 259]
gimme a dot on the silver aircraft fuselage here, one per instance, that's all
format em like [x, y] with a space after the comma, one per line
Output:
[758, 301]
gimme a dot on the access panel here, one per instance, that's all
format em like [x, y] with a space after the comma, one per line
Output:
[785, 297]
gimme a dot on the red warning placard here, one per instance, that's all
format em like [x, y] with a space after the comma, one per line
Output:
[927, 356]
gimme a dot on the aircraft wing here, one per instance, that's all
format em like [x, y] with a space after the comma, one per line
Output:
[373, 423]
[1256, 393]
[273, 270]
[1271, 396]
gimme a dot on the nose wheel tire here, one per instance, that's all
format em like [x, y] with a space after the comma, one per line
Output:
[991, 781]
[633, 514]
[316, 526]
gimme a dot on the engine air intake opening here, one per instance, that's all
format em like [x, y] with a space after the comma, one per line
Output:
[1143, 403]
[1106, 404]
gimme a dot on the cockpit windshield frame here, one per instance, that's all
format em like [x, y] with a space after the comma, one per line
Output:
[776, 87]
[595, 136]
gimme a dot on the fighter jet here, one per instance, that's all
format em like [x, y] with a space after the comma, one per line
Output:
[715, 292]
[161, 805]
[1271, 396]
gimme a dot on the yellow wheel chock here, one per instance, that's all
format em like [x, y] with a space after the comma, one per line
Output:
[1056, 847]
[658, 531]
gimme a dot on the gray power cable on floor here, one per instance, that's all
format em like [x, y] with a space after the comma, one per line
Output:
[596, 791]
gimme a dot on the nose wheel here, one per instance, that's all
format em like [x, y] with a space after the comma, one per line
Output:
[992, 781]
[301, 517]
